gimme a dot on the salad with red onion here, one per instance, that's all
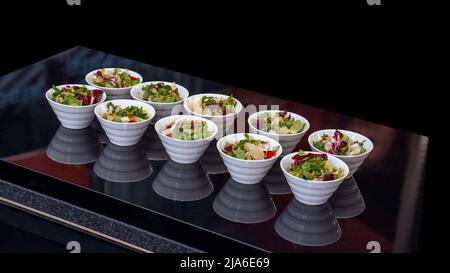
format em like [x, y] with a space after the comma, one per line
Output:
[278, 123]
[76, 95]
[339, 144]
[116, 78]
[315, 167]
[161, 92]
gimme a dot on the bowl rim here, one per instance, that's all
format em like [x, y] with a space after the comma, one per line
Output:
[164, 119]
[239, 105]
[344, 132]
[277, 155]
[90, 87]
[346, 170]
[123, 123]
[142, 84]
[251, 117]
[86, 78]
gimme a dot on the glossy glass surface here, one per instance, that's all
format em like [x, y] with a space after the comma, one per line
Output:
[382, 204]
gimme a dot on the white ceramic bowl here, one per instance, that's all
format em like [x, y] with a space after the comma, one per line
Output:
[124, 134]
[312, 192]
[163, 109]
[113, 93]
[247, 171]
[73, 117]
[353, 161]
[184, 151]
[287, 141]
[223, 123]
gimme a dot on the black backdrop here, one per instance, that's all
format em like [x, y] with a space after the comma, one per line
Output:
[346, 56]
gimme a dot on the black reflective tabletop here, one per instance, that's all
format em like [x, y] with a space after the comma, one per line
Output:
[23, 232]
[377, 210]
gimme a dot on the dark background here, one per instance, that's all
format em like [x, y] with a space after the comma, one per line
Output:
[346, 56]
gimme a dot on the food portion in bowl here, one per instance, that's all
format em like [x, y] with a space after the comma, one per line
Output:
[115, 78]
[215, 106]
[278, 123]
[250, 148]
[339, 144]
[129, 114]
[187, 129]
[315, 167]
[75, 95]
[161, 92]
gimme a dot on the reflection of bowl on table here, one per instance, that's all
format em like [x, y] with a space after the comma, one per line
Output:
[153, 146]
[99, 131]
[244, 203]
[70, 146]
[308, 225]
[347, 201]
[133, 192]
[211, 160]
[275, 181]
[123, 164]
[182, 182]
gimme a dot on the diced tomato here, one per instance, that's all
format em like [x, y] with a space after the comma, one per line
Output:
[133, 78]
[132, 118]
[76, 87]
[269, 154]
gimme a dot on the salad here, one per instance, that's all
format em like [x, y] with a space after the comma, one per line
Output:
[250, 149]
[278, 123]
[76, 95]
[215, 106]
[116, 78]
[129, 114]
[187, 129]
[339, 144]
[161, 92]
[314, 167]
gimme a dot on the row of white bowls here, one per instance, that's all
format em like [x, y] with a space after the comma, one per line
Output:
[79, 117]
[164, 109]
[243, 171]
[306, 191]
[253, 171]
